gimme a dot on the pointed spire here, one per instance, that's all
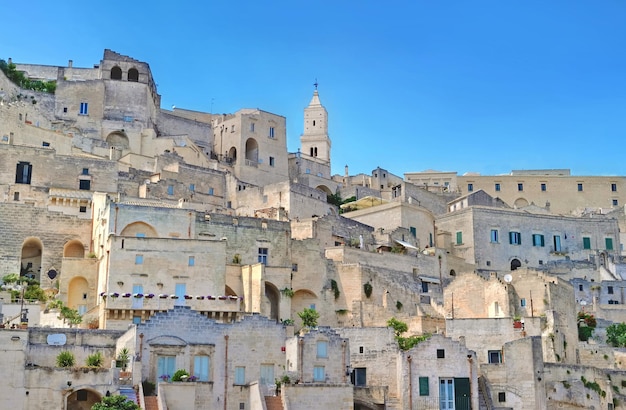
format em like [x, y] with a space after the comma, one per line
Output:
[315, 101]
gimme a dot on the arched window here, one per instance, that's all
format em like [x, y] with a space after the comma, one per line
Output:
[515, 263]
[116, 73]
[133, 75]
[252, 151]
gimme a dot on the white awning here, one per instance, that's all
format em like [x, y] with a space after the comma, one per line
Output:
[406, 244]
[427, 279]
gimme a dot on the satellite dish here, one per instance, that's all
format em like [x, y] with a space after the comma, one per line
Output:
[508, 278]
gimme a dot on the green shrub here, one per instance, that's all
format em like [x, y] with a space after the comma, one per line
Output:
[178, 375]
[367, 288]
[66, 359]
[95, 360]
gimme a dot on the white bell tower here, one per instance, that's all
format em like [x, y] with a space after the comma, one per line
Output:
[314, 141]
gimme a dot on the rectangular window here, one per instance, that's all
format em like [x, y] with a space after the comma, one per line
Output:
[613, 187]
[413, 231]
[459, 238]
[544, 187]
[580, 187]
[497, 187]
[23, 173]
[267, 374]
[82, 209]
[494, 356]
[263, 252]
[211, 191]
[586, 242]
[423, 383]
[538, 240]
[515, 238]
[45, 144]
[272, 161]
[494, 236]
[84, 108]
[251, 127]
[84, 184]
[137, 302]
[470, 187]
[522, 302]
[271, 134]
[614, 202]
[192, 187]
[138, 259]
[240, 375]
[191, 261]
[556, 241]
[170, 189]
[85, 171]
[501, 396]
[430, 239]
[201, 366]
[520, 187]
[609, 290]
[322, 349]
[319, 374]
[608, 244]
[580, 288]
[441, 354]
[166, 366]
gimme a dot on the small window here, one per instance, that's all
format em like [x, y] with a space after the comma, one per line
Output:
[538, 240]
[441, 354]
[82, 209]
[294, 267]
[580, 288]
[540, 261]
[85, 171]
[608, 244]
[544, 188]
[613, 187]
[84, 108]
[211, 191]
[271, 161]
[307, 171]
[556, 241]
[497, 187]
[488, 263]
[501, 397]
[423, 383]
[251, 127]
[23, 173]
[494, 236]
[413, 231]
[322, 348]
[81, 395]
[522, 302]
[133, 75]
[586, 242]
[84, 184]
[580, 187]
[520, 187]
[138, 259]
[515, 238]
[192, 187]
[170, 189]
[232, 129]
[262, 257]
[16, 196]
[65, 109]
[609, 290]
[470, 187]
[191, 261]
[240, 375]
[360, 349]
[319, 374]
[495, 356]
[459, 238]
[614, 201]
[45, 144]
[271, 134]
[242, 406]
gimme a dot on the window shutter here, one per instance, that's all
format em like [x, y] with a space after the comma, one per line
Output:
[423, 382]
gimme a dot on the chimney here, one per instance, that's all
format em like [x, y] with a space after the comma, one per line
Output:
[70, 63]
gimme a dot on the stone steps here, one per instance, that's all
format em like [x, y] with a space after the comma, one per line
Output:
[274, 403]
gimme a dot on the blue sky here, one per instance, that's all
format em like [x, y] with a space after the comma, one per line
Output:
[466, 86]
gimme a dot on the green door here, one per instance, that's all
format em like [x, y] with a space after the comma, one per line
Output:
[462, 393]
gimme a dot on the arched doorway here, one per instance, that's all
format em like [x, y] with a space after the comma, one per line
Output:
[118, 139]
[252, 150]
[32, 249]
[116, 73]
[82, 399]
[78, 294]
[272, 296]
[603, 259]
[74, 249]
[515, 263]
[133, 75]
[140, 230]
[232, 155]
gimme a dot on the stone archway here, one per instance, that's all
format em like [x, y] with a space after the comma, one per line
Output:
[116, 73]
[302, 298]
[82, 399]
[140, 230]
[252, 150]
[272, 295]
[118, 139]
[74, 249]
[133, 75]
[515, 264]
[30, 262]
[78, 294]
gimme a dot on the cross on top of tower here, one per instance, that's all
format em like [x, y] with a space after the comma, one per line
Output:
[315, 84]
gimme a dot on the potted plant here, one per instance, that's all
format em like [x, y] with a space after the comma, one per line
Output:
[123, 357]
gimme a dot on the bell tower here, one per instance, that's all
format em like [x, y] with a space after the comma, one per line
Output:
[314, 141]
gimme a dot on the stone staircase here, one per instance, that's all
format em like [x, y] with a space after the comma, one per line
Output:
[273, 403]
[129, 393]
[151, 402]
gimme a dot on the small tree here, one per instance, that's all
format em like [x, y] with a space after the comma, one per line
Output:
[123, 357]
[66, 359]
[405, 343]
[397, 326]
[309, 317]
[616, 335]
[115, 403]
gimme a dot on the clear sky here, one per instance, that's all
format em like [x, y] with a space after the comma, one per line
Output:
[466, 86]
